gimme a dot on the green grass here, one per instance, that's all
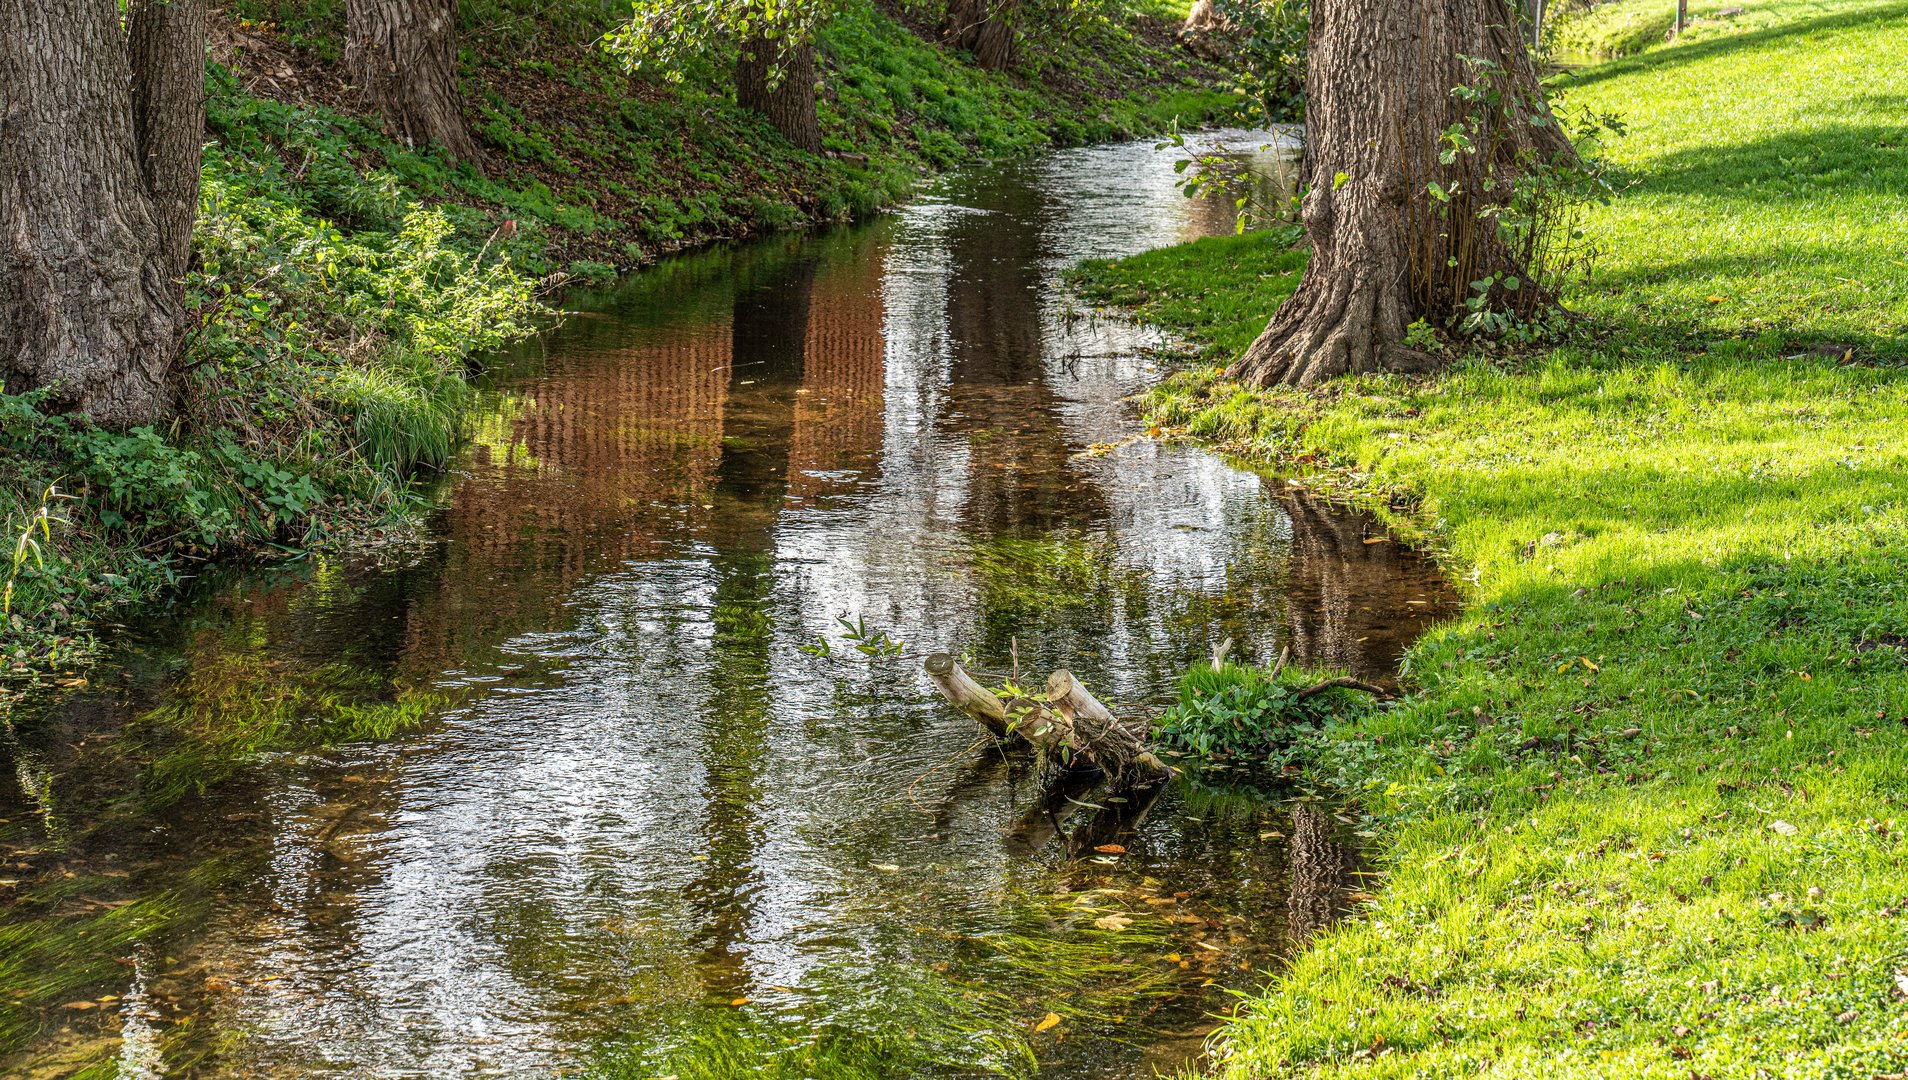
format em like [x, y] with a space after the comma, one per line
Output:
[1769, 170]
[1626, 27]
[1642, 812]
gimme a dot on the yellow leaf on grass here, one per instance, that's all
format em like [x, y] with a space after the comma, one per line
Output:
[1047, 1021]
[1588, 664]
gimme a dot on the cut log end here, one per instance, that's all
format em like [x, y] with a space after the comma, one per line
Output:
[1071, 722]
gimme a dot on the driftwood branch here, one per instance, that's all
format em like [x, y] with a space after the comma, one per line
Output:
[970, 697]
[1345, 681]
[1070, 721]
[1117, 751]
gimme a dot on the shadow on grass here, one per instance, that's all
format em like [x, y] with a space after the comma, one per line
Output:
[1692, 52]
[1801, 163]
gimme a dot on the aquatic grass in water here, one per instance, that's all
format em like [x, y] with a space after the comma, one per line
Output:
[1062, 571]
[235, 705]
[946, 1003]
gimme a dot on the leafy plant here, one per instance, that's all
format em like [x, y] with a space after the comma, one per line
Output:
[1268, 39]
[41, 521]
[1532, 201]
[874, 644]
[1238, 710]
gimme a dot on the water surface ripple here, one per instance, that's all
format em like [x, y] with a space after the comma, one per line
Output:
[639, 830]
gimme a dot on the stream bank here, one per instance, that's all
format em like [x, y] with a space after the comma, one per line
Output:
[1640, 816]
[561, 785]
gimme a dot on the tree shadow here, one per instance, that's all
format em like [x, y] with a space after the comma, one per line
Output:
[1797, 164]
[1666, 59]
[1814, 329]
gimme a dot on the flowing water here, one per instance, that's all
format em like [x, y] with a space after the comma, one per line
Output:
[622, 818]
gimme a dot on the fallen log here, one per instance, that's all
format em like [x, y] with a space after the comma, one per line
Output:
[1005, 718]
[1117, 751]
[1070, 724]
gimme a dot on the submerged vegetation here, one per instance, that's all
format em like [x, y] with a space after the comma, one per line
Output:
[1639, 810]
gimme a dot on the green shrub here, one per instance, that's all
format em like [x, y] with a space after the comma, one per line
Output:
[1237, 710]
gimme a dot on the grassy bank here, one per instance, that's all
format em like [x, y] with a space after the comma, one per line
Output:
[343, 283]
[1642, 813]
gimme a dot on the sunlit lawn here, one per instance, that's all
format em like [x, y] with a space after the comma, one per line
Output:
[1643, 814]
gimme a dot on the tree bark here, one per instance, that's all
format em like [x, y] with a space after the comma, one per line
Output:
[87, 300]
[1384, 252]
[402, 54]
[167, 50]
[778, 81]
[982, 27]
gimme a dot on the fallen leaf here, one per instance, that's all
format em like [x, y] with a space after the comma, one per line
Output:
[738, 1002]
[1111, 849]
[78, 1005]
[1113, 922]
[1047, 1021]
[1718, 299]
[1782, 827]
[1588, 664]
[887, 868]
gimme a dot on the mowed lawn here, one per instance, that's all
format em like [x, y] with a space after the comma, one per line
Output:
[1643, 814]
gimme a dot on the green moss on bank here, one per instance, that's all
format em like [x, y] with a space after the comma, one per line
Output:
[344, 283]
[1643, 812]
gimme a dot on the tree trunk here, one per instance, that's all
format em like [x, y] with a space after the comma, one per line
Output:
[785, 96]
[167, 50]
[1384, 252]
[982, 27]
[402, 54]
[86, 296]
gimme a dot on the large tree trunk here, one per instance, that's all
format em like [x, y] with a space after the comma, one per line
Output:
[982, 27]
[403, 56]
[86, 293]
[788, 101]
[167, 50]
[1384, 252]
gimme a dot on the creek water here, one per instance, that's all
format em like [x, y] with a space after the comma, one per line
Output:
[626, 821]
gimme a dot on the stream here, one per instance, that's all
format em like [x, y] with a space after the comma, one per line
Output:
[618, 815]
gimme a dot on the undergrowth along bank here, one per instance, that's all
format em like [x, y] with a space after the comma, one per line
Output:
[1642, 813]
[342, 284]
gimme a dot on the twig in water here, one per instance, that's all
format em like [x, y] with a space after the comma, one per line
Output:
[1345, 681]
